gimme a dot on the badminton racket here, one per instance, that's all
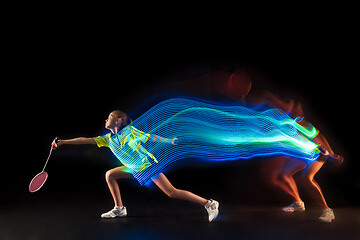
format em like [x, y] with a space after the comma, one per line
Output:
[38, 181]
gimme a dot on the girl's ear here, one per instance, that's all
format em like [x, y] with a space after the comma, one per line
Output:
[119, 120]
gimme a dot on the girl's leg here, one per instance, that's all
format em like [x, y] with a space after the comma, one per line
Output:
[286, 180]
[164, 184]
[111, 176]
[287, 184]
[312, 187]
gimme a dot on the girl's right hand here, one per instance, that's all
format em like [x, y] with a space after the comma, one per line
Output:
[56, 143]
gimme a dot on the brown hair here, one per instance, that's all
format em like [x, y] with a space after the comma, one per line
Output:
[123, 116]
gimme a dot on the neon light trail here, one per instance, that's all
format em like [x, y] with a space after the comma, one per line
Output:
[210, 132]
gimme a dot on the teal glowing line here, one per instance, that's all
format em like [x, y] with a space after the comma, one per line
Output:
[210, 132]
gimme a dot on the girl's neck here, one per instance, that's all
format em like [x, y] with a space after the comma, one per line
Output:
[115, 130]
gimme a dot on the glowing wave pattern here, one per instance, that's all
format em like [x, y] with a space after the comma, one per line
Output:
[211, 132]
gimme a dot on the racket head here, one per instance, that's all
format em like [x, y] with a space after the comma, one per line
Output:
[38, 181]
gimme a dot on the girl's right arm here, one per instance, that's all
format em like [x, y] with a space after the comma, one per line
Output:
[74, 141]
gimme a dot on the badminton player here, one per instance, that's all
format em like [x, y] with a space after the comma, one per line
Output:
[115, 122]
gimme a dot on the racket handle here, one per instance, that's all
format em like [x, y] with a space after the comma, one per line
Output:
[56, 139]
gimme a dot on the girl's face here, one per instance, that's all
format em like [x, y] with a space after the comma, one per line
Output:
[112, 121]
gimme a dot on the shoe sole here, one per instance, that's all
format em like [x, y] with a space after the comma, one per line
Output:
[114, 217]
[293, 211]
[324, 221]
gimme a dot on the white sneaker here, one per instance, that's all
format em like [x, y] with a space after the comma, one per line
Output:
[212, 207]
[115, 212]
[327, 215]
[295, 207]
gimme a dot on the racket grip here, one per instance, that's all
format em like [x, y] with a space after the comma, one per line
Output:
[56, 139]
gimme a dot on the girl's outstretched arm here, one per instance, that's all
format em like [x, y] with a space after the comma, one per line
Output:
[156, 138]
[74, 141]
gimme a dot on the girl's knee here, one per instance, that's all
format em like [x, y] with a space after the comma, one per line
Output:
[307, 178]
[108, 175]
[285, 177]
[172, 193]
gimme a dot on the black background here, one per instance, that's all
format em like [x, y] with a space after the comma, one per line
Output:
[64, 82]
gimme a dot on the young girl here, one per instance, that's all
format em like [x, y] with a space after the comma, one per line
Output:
[121, 139]
[206, 131]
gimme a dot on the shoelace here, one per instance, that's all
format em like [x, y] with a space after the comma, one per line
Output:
[327, 214]
[116, 211]
[292, 206]
[212, 206]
